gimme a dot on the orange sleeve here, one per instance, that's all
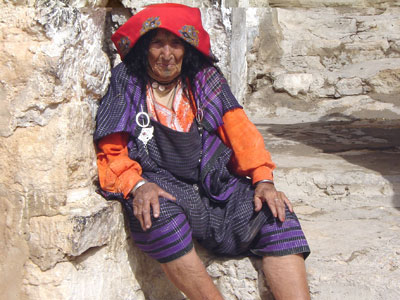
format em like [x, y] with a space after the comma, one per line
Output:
[117, 172]
[250, 158]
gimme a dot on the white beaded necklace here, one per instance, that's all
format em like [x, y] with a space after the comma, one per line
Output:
[170, 101]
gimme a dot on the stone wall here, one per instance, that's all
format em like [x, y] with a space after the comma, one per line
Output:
[287, 62]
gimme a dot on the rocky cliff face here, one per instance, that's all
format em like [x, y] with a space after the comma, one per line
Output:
[287, 62]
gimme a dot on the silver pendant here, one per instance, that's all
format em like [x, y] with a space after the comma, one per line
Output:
[146, 119]
[146, 134]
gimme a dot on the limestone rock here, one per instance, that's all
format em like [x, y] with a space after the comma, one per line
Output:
[102, 273]
[333, 3]
[238, 62]
[349, 86]
[237, 278]
[54, 239]
[319, 73]
[294, 84]
[50, 80]
[344, 54]
[385, 81]
[217, 24]
[244, 3]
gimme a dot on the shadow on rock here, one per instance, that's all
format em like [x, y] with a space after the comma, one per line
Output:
[372, 144]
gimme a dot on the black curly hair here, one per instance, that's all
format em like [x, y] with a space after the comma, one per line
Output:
[193, 60]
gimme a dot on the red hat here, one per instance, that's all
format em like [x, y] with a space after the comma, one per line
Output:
[182, 20]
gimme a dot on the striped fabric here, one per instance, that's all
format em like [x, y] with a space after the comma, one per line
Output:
[216, 208]
[228, 229]
[276, 238]
[127, 95]
[168, 239]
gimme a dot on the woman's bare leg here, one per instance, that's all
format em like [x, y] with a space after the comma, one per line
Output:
[189, 275]
[286, 276]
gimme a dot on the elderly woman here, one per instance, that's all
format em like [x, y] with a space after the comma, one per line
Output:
[176, 148]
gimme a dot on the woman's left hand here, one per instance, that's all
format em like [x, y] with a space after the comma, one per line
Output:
[276, 200]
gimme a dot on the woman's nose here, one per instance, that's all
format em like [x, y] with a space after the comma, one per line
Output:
[166, 50]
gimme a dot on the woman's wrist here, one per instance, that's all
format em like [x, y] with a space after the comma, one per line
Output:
[138, 185]
[264, 181]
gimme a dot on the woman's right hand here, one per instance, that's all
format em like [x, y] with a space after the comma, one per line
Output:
[145, 197]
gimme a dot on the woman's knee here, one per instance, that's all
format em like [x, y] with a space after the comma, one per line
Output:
[168, 239]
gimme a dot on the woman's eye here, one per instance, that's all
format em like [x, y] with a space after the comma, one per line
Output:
[176, 42]
[156, 42]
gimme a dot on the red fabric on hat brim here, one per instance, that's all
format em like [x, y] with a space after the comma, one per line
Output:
[181, 20]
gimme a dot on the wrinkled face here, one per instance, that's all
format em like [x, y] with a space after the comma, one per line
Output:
[165, 56]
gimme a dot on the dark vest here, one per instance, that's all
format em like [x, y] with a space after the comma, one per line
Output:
[126, 96]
